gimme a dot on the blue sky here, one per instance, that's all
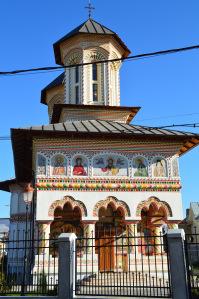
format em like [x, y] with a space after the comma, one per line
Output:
[167, 87]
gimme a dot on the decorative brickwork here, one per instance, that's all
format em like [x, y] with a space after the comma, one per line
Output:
[91, 184]
[155, 201]
[115, 202]
[60, 203]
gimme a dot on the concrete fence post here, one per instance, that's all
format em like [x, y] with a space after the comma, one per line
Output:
[179, 283]
[66, 265]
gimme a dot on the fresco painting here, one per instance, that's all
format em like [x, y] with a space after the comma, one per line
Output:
[140, 168]
[59, 165]
[175, 168]
[110, 165]
[159, 168]
[41, 165]
[80, 166]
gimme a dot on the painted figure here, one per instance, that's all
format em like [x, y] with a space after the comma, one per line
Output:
[110, 168]
[175, 171]
[59, 167]
[141, 169]
[78, 168]
[160, 168]
[41, 165]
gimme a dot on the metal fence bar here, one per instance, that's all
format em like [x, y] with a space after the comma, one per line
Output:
[28, 266]
[122, 265]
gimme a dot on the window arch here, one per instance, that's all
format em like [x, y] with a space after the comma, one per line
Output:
[95, 74]
[58, 165]
[41, 165]
[159, 167]
[73, 76]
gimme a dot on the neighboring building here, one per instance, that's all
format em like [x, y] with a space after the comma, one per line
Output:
[93, 170]
[191, 222]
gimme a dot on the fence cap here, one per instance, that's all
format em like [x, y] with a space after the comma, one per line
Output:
[67, 236]
[176, 233]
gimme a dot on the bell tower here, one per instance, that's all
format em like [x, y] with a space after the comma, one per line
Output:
[93, 83]
[97, 83]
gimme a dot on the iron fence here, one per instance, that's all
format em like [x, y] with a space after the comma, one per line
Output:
[122, 265]
[28, 266]
[192, 260]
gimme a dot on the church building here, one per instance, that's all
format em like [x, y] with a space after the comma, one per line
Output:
[93, 171]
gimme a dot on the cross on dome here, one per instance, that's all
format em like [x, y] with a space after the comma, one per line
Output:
[90, 8]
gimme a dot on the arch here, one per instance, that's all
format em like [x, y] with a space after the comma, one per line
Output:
[67, 200]
[57, 99]
[157, 203]
[95, 54]
[113, 201]
[73, 57]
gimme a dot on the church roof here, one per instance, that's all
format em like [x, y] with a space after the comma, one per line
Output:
[88, 27]
[106, 127]
[56, 82]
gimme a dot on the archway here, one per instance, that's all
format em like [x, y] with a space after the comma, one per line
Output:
[67, 219]
[153, 216]
[108, 230]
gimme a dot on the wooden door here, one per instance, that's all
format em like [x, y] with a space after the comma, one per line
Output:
[106, 254]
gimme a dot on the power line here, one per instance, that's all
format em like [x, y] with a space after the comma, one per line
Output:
[129, 58]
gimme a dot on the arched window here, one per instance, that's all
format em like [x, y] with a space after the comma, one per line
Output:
[41, 165]
[59, 165]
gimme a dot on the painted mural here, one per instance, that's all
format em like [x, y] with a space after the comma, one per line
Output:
[175, 168]
[140, 168]
[41, 165]
[80, 166]
[59, 165]
[110, 165]
[159, 167]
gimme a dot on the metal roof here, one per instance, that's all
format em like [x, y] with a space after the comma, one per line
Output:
[108, 127]
[56, 82]
[88, 27]
[195, 209]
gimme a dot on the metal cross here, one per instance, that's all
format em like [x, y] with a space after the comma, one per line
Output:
[90, 8]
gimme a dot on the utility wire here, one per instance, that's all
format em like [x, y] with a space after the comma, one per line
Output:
[129, 58]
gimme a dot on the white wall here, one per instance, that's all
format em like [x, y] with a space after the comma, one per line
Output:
[132, 199]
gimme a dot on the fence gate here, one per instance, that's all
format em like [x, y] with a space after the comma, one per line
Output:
[122, 265]
[192, 260]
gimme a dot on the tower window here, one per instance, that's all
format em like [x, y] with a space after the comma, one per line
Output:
[77, 94]
[94, 72]
[77, 74]
[95, 92]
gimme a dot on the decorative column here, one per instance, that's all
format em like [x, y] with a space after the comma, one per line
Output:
[158, 246]
[89, 232]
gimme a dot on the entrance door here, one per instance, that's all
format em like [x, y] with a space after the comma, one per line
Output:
[106, 254]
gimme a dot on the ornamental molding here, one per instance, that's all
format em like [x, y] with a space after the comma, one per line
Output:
[115, 203]
[155, 202]
[67, 199]
[107, 184]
